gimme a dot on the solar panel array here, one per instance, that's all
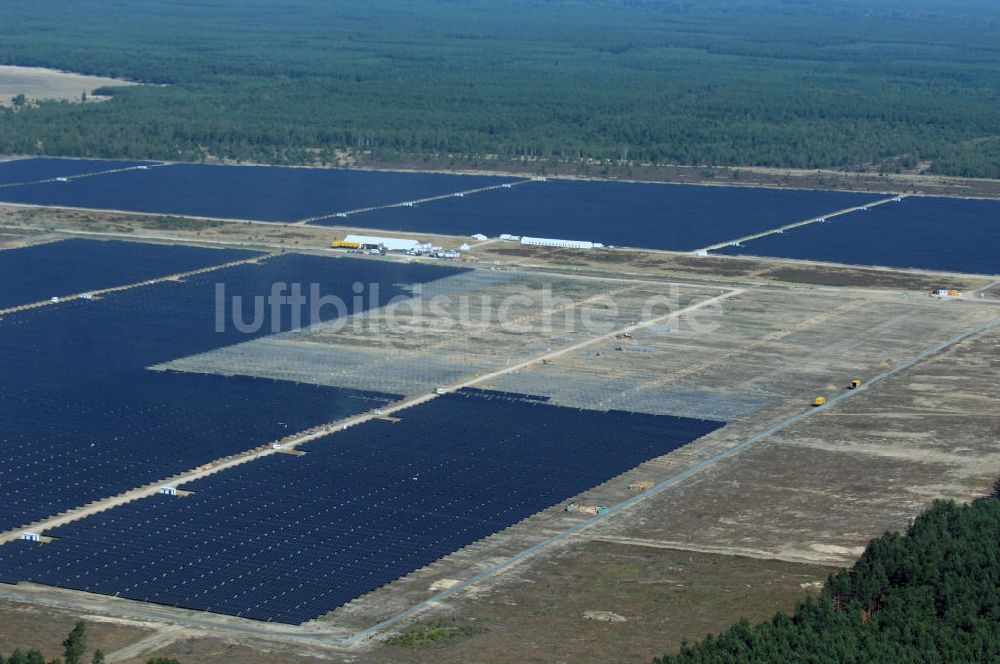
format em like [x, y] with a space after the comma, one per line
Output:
[83, 417]
[16, 172]
[930, 233]
[39, 272]
[263, 193]
[289, 538]
[679, 217]
[71, 447]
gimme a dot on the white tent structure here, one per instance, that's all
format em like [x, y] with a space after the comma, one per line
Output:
[390, 243]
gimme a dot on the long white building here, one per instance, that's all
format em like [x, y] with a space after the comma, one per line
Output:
[550, 242]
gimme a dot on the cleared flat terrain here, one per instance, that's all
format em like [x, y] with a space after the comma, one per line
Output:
[37, 83]
[755, 528]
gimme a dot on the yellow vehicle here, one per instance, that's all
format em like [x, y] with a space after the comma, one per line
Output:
[819, 401]
[855, 384]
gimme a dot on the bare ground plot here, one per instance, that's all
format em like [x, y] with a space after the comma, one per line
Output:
[622, 262]
[10, 240]
[26, 626]
[37, 83]
[192, 229]
[600, 602]
[13, 239]
[716, 267]
[821, 489]
[205, 650]
[129, 641]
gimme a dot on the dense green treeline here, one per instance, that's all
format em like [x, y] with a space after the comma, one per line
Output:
[932, 595]
[717, 82]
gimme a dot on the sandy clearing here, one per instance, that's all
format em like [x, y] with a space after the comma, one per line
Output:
[38, 83]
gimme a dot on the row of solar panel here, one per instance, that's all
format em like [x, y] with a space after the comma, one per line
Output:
[288, 538]
[164, 321]
[87, 454]
[264, 193]
[17, 172]
[84, 418]
[519, 396]
[57, 269]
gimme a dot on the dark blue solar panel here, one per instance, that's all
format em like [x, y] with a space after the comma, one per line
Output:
[502, 395]
[24, 171]
[36, 273]
[653, 216]
[262, 193]
[951, 234]
[289, 538]
[83, 418]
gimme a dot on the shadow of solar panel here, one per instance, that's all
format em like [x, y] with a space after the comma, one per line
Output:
[289, 538]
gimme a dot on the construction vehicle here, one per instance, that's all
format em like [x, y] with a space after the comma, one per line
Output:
[819, 402]
[855, 384]
[342, 244]
[641, 485]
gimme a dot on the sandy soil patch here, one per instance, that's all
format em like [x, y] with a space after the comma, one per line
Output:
[37, 83]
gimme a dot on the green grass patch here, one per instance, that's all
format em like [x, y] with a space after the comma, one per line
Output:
[428, 635]
[616, 573]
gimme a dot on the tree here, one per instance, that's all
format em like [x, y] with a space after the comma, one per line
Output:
[76, 643]
[931, 595]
